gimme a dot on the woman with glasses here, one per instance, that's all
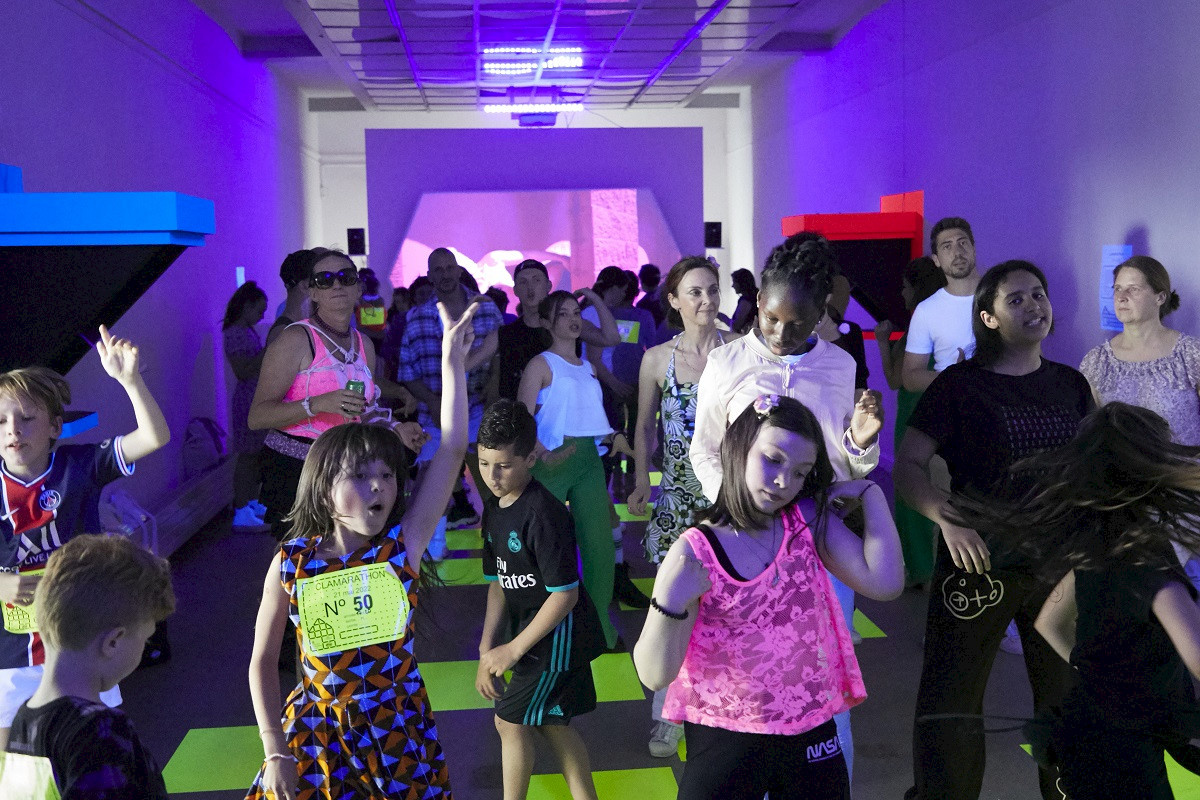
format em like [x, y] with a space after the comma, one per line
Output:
[317, 374]
[1148, 364]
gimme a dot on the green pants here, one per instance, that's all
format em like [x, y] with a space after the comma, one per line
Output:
[917, 533]
[579, 480]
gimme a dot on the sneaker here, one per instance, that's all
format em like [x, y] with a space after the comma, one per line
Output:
[1011, 643]
[664, 739]
[461, 515]
[259, 509]
[246, 521]
[626, 590]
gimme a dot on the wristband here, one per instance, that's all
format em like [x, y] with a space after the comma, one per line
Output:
[677, 615]
[280, 757]
[306, 404]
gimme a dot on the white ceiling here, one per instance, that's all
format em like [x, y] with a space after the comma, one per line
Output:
[430, 54]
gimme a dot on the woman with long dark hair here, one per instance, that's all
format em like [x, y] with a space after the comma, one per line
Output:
[982, 416]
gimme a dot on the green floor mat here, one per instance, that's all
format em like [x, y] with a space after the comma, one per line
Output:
[215, 760]
[655, 783]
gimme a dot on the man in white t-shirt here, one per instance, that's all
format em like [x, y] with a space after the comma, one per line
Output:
[941, 324]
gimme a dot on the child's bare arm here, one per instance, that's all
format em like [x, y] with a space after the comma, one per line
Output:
[485, 682]
[119, 357]
[1180, 617]
[660, 650]
[558, 605]
[443, 470]
[280, 776]
[873, 564]
[1056, 621]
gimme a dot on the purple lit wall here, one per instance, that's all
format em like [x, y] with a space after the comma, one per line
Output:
[402, 164]
[151, 95]
[1054, 127]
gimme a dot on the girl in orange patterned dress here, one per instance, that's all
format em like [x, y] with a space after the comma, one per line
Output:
[359, 725]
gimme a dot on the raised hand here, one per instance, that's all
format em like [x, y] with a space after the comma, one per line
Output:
[868, 418]
[457, 335]
[119, 357]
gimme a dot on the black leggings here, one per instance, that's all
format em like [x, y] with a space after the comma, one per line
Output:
[728, 765]
[967, 617]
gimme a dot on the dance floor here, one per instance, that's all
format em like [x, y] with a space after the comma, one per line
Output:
[194, 713]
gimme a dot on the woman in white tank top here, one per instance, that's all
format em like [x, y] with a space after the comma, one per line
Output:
[562, 392]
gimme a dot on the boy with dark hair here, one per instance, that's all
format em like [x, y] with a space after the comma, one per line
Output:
[97, 603]
[529, 556]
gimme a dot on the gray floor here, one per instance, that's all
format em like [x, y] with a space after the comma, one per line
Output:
[218, 578]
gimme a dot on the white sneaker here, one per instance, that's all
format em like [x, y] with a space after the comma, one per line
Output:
[245, 521]
[664, 739]
[259, 509]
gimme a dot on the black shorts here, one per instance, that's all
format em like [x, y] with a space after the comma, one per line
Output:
[729, 765]
[541, 697]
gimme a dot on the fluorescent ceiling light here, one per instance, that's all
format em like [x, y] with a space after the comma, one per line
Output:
[529, 67]
[531, 108]
[501, 51]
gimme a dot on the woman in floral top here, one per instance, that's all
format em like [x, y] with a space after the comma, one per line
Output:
[667, 384]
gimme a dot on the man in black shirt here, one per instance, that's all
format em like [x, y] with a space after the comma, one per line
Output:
[525, 337]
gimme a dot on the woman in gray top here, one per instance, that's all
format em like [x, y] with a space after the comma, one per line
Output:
[1148, 364]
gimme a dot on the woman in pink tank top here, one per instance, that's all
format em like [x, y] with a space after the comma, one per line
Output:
[317, 374]
[745, 628]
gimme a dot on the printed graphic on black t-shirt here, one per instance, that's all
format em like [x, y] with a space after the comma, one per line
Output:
[529, 549]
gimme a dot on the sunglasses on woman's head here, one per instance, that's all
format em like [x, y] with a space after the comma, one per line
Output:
[323, 280]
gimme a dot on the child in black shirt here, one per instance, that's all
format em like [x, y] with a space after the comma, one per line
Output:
[529, 556]
[97, 603]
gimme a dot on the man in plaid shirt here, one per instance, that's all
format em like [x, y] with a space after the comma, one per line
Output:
[421, 362]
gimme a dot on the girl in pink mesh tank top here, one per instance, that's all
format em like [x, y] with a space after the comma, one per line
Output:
[744, 625]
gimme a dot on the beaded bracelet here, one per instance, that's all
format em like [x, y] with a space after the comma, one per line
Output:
[668, 614]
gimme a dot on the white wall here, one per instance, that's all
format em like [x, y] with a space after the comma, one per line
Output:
[151, 95]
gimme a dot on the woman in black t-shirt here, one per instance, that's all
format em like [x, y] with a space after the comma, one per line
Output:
[982, 416]
[1108, 506]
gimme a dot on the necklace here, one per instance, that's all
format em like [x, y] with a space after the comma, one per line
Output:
[329, 329]
[768, 556]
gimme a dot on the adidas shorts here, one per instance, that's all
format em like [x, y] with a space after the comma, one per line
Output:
[541, 697]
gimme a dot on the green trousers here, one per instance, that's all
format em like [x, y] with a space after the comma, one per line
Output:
[579, 480]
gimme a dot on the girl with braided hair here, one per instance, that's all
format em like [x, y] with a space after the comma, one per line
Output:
[782, 355]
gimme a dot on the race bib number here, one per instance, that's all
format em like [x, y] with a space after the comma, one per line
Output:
[351, 608]
[21, 619]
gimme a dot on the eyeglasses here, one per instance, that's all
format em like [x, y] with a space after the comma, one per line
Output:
[324, 280]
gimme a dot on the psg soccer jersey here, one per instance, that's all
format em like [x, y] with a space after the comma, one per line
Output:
[38, 516]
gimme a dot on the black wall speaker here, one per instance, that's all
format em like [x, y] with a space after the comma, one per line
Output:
[712, 234]
[356, 241]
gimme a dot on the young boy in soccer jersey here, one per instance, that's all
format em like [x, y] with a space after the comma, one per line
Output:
[97, 603]
[529, 557]
[47, 495]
